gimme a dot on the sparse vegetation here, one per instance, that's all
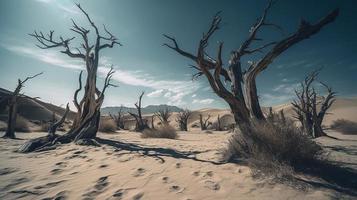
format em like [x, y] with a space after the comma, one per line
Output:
[163, 115]
[270, 147]
[182, 119]
[311, 108]
[204, 123]
[141, 123]
[107, 125]
[344, 126]
[164, 131]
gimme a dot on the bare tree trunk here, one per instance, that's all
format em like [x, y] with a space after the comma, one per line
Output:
[204, 123]
[141, 123]
[44, 143]
[245, 106]
[11, 121]
[182, 119]
[12, 104]
[86, 122]
[219, 127]
[306, 106]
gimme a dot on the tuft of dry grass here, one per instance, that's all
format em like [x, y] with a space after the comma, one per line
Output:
[164, 131]
[107, 125]
[273, 148]
[345, 126]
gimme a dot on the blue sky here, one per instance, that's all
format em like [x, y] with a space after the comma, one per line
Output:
[143, 64]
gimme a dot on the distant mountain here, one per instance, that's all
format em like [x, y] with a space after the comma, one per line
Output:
[145, 110]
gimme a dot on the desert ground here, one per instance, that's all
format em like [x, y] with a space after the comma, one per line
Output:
[126, 166]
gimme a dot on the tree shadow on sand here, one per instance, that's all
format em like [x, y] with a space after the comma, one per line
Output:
[156, 152]
[333, 177]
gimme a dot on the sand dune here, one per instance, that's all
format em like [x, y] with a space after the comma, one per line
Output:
[129, 167]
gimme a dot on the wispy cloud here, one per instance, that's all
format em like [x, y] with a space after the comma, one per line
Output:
[203, 101]
[173, 90]
[280, 94]
[63, 5]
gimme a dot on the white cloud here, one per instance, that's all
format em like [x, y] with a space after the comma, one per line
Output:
[194, 95]
[274, 99]
[155, 93]
[203, 101]
[66, 6]
[174, 90]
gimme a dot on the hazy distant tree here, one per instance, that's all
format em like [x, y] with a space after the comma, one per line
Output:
[141, 123]
[219, 126]
[182, 119]
[153, 121]
[86, 121]
[311, 108]
[12, 101]
[164, 115]
[119, 118]
[204, 123]
[242, 96]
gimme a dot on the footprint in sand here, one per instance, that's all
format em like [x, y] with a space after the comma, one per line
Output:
[138, 196]
[103, 166]
[7, 170]
[98, 188]
[25, 193]
[208, 174]
[14, 183]
[49, 185]
[212, 185]
[139, 172]
[174, 188]
[196, 173]
[59, 196]
[178, 165]
[165, 179]
[56, 171]
[119, 194]
[61, 164]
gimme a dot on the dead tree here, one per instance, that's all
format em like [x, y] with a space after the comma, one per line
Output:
[152, 121]
[182, 119]
[45, 142]
[242, 96]
[141, 123]
[12, 100]
[163, 115]
[219, 126]
[204, 123]
[119, 121]
[86, 121]
[310, 108]
[282, 116]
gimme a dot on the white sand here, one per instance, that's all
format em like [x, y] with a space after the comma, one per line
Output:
[159, 169]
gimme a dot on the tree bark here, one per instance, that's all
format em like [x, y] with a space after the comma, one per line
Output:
[86, 122]
[11, 121]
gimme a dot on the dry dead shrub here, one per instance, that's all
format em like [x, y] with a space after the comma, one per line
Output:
[107, 125]
[164, 131]
[345, 126]
[22, 125]
[273, 148]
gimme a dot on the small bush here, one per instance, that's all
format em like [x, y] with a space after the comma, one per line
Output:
[273, 148]
[344, 126]
[107, 125]
[22, 125]
[165, 131]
